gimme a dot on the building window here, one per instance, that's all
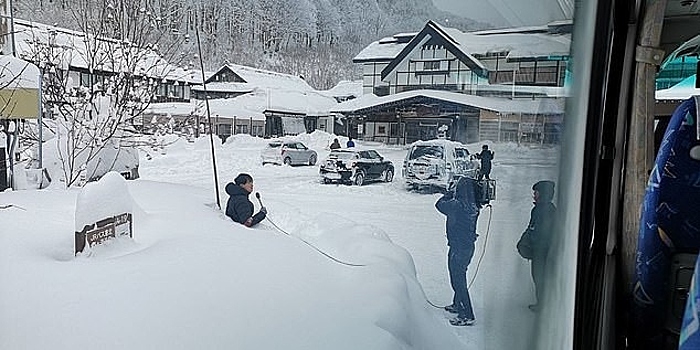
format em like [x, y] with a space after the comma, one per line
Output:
[381, 90]
[85, 79]
[381, 130]
[547, 75]
[394, 129]
[431, 65]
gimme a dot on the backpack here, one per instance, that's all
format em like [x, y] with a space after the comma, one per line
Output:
[485, 191]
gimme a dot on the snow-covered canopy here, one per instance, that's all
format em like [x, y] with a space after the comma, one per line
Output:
[680, 91]
[527, 106]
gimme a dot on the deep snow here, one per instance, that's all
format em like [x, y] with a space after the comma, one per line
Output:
[191, 278]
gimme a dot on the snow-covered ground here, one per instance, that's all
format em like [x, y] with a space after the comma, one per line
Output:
[193, 279]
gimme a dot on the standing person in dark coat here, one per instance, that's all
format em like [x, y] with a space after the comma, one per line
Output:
[541, 229]
[239, 208]
[486, 157]
[335, 144]
[462, 212]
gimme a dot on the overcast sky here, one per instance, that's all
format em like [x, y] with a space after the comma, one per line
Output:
[502, 13]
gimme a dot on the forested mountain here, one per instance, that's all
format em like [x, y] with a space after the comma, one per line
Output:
[316, 39]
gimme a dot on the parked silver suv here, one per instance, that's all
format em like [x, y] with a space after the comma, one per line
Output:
[438, 163]
[289, 153]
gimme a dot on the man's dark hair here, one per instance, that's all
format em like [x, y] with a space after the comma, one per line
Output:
[242, 178]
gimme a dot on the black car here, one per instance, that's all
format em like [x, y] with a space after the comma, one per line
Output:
[356, 167]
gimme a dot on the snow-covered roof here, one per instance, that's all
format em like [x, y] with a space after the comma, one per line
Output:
[503, 105]
[438, 142]
[18, 74]
[225, 87]
[19, 88]
[518, 42]
[73, 50]
[261, 78]
[518, 45]
[171, 108]
[344, 88]
[309, 103]
[231, 107]
[385, 49]
[680, 91]
[549, 91]
[253, 78]
[254, 104]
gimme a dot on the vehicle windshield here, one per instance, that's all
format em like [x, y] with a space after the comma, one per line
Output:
[427, 151]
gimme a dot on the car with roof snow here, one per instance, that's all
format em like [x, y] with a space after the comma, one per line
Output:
[289, 153]
[356, 167]
[438, 163]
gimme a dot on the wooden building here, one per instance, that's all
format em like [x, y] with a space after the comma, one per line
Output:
[508, 69]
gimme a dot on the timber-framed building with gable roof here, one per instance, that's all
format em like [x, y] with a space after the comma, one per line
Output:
[498, 85]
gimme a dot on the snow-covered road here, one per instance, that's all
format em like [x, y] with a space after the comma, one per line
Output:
[296, 199]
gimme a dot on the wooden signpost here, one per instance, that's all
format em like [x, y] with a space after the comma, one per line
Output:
[103, 230]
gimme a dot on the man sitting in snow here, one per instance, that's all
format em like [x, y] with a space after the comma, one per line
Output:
[239, 208]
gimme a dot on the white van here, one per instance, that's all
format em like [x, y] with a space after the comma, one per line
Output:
[438, 163]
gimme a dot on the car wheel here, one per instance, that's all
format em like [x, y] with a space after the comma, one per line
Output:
[388, 175]
[359, 178]
[312, 159]
[288, 161]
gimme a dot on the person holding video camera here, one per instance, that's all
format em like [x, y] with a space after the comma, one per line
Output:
[461, 208]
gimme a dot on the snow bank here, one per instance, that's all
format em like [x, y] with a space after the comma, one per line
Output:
[102, 199]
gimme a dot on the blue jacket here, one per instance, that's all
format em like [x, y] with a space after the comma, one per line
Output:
[239, 208]
[462, 213]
